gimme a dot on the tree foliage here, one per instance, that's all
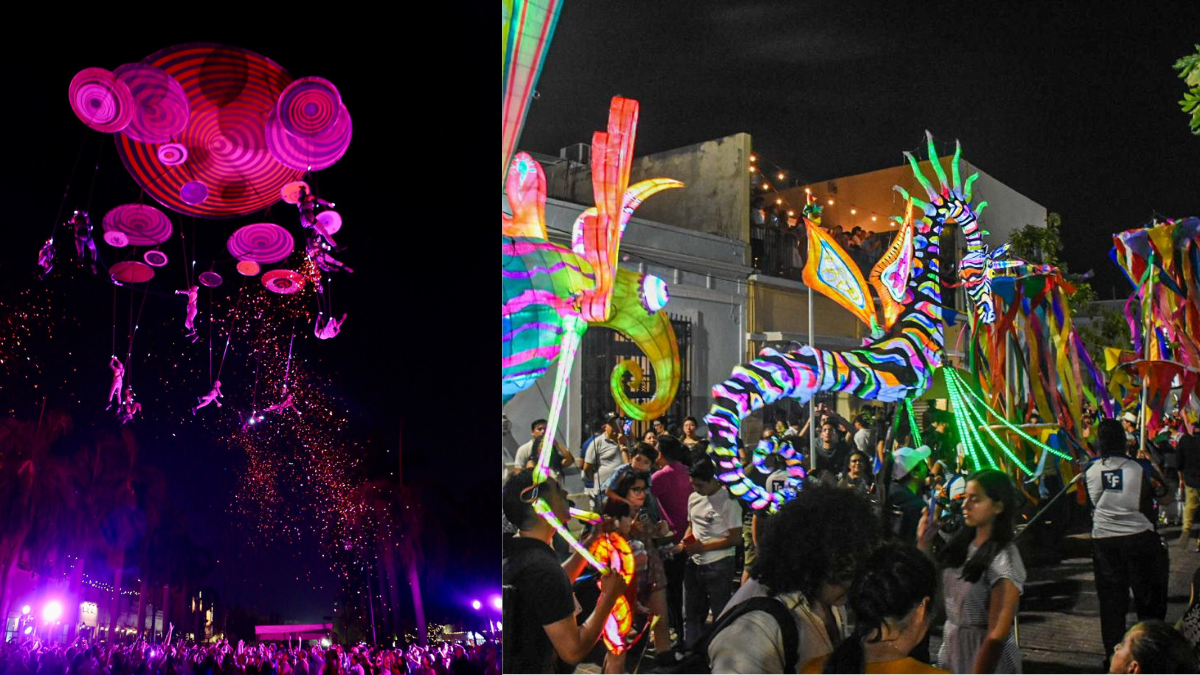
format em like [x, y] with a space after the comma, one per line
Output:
[1189, 71]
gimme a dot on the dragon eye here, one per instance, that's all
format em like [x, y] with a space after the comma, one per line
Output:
[654, 293]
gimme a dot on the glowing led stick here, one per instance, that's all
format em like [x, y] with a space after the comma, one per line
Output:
[912, 423]
[1019, 431]
[543, 509]
[585, 516]
[975, 419]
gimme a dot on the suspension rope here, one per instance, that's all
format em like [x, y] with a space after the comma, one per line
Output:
[229, 337]
[114, 322]
[95, 173]
[211, 314]
[287, 371]
[66, 190]
[187, 277]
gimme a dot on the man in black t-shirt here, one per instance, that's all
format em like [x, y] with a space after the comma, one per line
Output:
[539, 609]
[831, 450]
[1188, 451]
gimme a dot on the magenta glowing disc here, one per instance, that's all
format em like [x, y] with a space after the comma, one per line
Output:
[144, 224]
[101, 100]
[116, 239]
[284, 282]
[262, 242]
[331, 220]
[309, 154]
[194, 193]
[160, 106]
[131, 272]
[291, 192]
[230, 92]
[172, 154]
[210, 279]
[309, 107]
[155, 258]
[248, 268]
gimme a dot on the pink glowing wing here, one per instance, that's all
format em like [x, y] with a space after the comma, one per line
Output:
[890, 275]
[526, 188]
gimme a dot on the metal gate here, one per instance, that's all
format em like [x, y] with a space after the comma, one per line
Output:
[603, 349]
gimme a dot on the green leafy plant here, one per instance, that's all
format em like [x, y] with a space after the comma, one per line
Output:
[1189, 71]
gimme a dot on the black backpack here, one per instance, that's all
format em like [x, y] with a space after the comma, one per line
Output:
[695, 660]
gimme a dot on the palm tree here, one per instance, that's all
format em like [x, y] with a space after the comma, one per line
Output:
[123, 522]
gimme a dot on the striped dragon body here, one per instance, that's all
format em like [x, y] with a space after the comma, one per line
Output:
[896, 366]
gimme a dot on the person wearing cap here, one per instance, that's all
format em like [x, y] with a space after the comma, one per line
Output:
[1129, 421]
[1126, 550]
[909, 469]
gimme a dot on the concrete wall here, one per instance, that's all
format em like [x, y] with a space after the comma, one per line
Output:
[707, 284]
[716, 200]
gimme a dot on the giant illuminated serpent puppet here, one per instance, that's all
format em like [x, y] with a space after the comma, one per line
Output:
[899, 359]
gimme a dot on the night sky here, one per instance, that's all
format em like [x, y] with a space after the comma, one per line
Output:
[396, 363]
[1072, 104]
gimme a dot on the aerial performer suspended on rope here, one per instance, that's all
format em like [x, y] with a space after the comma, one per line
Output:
[329, 327]
[193, 294]
[85, 245]
[211, 397]
[129, 407]
[114, 392]
[46, 258]
[898, 360]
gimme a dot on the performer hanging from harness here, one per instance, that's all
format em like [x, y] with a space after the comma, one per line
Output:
[329, 328]
[85, 246]
[308, 205]
[318, 252]
[46, 258]
[192, 294]
[114, 391]
[129, 407]
[210, 397]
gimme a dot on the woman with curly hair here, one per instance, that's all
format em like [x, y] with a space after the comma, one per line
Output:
[892, 601]
[808, 555]
[982, 578]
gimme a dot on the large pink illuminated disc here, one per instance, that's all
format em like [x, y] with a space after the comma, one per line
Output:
[132, 272]
[210, 279]
[160, 110]
[143, 224]
[101, 100]
[230, 92]
[309, 154]
[330, 220]
[309, 107]
[285, 282]
[262, 242]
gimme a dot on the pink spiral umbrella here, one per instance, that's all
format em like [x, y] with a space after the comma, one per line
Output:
[131, 272]
[291, 192]
[172, 154]
[143, 224]
[284, 282]
[101, 100]
[310, 153]
[155, 258]
[229, 92]
[331, 221]
[309, 107]
[261, 243]
[210, 279]
[160, 110]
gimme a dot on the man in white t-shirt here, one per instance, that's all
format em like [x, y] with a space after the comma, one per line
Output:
[1127, 552]
[603, 456]
[714, 530]
[526, 458]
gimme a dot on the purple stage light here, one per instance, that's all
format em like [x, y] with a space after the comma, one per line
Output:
[476, 605]
[52, 611]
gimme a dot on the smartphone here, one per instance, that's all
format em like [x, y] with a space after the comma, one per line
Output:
[628, 426]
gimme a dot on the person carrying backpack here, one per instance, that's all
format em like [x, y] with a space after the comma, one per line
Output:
[808, 556]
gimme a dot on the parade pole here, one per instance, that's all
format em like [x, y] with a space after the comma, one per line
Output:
[812, 417]
[1147, 336]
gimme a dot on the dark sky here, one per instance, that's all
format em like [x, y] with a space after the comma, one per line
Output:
[1071, 104]
[398, 360]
